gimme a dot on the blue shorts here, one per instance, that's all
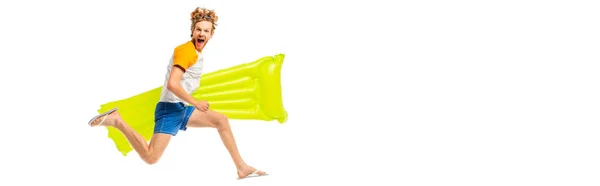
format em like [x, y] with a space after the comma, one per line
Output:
[169, 118]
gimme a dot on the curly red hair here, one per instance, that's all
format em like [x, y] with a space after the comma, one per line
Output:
[203, 14]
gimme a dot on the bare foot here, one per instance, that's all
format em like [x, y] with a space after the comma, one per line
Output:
[247, 170]
[109, 120]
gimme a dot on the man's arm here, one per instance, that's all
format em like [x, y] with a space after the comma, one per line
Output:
[174, 85]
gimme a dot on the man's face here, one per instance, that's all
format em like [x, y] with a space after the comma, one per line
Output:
[201, 34]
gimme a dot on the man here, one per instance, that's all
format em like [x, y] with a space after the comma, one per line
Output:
[177, 109]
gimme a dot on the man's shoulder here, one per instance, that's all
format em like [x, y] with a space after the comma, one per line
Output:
[187, 47]
[185, 55]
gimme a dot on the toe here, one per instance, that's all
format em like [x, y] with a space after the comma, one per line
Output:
[248, 171]
[97, 121]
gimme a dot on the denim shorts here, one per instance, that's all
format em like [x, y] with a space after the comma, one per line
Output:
[169, 118]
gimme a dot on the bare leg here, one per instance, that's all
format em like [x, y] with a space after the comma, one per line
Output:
[219, 121]
[150, 153]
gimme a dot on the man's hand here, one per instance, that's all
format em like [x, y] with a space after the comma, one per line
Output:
[201, 105]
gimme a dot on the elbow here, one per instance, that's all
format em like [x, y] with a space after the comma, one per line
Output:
[171, 86]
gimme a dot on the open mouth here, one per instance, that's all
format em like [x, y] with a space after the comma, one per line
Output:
[200, 40]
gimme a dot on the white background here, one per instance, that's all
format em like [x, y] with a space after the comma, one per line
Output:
[412, 93]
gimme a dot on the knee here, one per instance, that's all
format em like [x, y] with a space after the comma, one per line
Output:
[222, 122]
[150, 160]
